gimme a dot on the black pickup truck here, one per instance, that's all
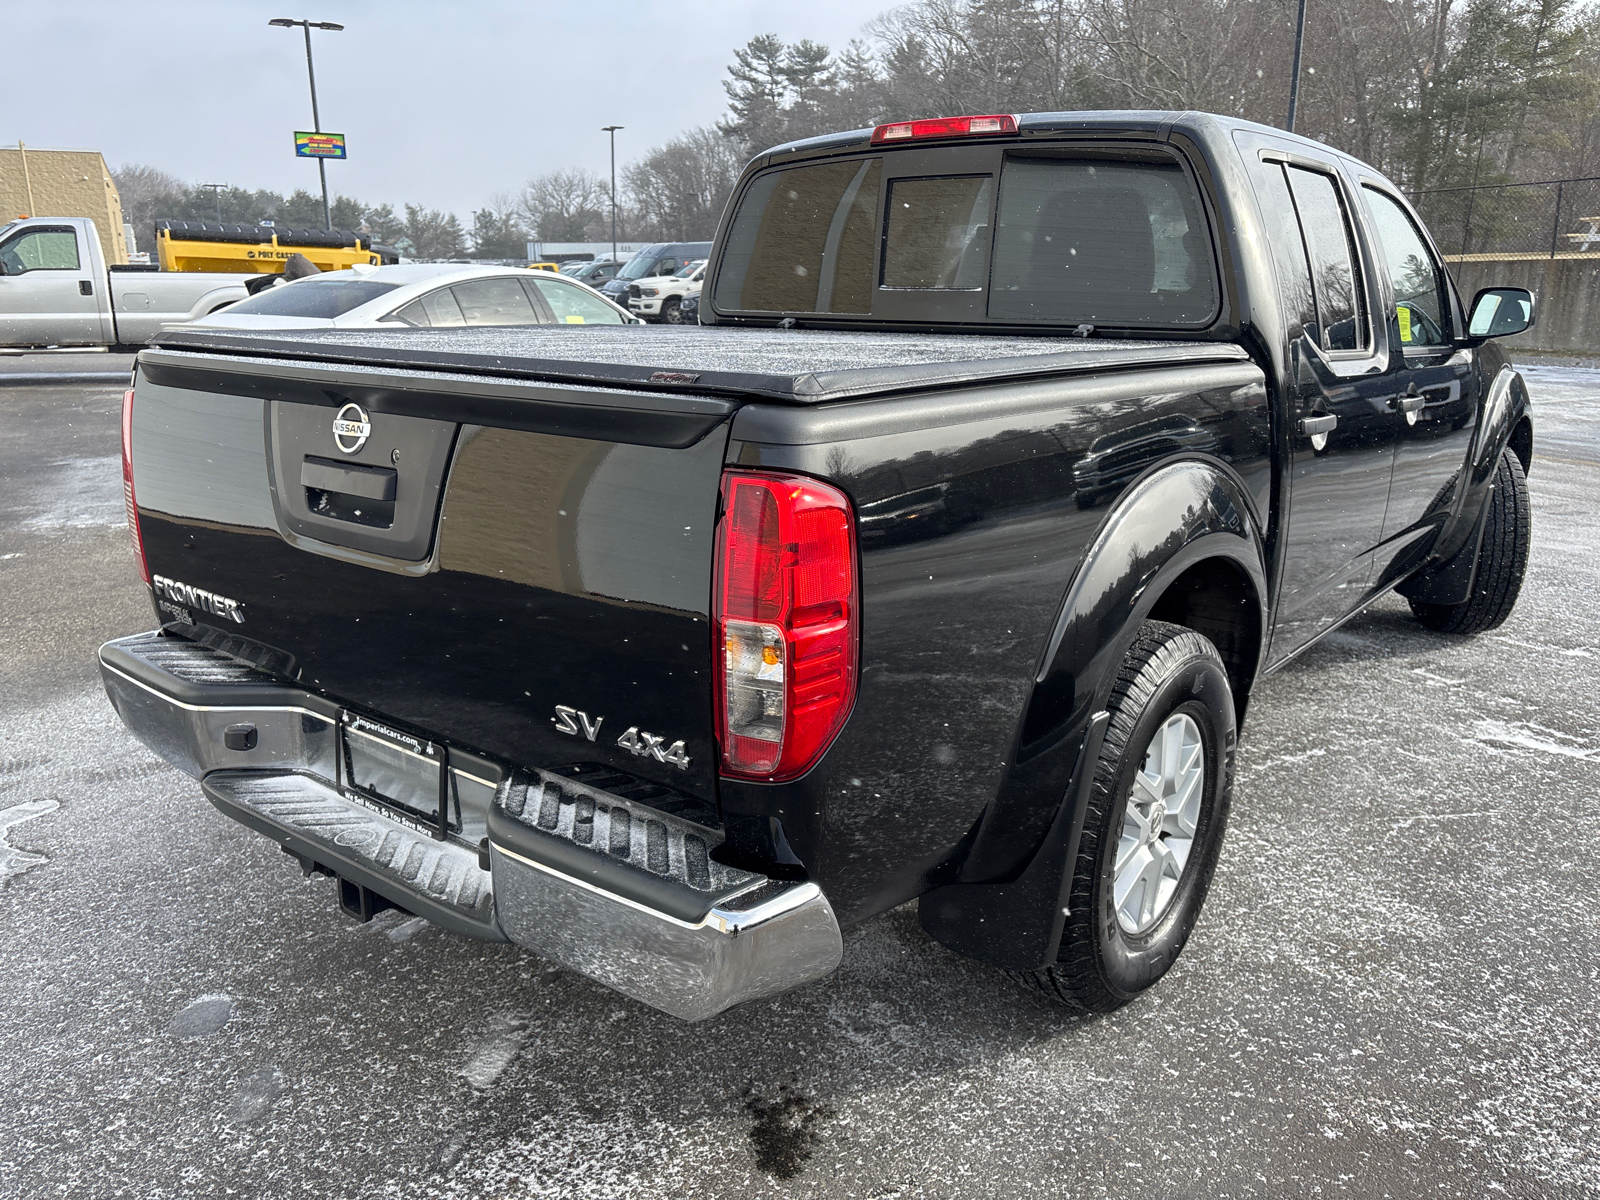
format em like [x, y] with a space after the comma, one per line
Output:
[937, 563]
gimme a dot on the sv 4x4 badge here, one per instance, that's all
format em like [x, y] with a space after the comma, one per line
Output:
[634, 740]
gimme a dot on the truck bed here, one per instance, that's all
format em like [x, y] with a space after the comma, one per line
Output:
[800, 366]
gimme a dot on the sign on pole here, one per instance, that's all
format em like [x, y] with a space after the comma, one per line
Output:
[318, 145]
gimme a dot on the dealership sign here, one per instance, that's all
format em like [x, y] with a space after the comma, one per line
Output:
[318, 145]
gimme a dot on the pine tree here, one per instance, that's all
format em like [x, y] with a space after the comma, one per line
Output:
[757, 92]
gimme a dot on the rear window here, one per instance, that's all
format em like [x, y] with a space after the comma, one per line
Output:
[1106, 243]
[1056, 240]
[937, 232]
[318, 296]
[803, 241]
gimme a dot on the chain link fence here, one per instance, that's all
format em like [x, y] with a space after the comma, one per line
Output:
[1556, 218]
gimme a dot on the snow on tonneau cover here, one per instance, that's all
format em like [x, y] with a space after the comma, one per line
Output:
[499, 537]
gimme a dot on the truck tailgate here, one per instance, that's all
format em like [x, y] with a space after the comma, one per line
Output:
[521, 569]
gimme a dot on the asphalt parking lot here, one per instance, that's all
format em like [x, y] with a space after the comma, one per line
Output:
[1393, 990]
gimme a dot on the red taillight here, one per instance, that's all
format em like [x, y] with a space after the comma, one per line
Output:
[785, 621]
[943, 127]
[127, 484]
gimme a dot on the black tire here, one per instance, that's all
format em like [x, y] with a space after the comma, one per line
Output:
[670, 311]
[1169, 670]
[1502, 559]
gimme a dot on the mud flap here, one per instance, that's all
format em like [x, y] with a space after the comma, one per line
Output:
[1017, 925]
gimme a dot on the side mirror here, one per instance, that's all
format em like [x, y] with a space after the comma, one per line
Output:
[1500, 312]
[3, 270]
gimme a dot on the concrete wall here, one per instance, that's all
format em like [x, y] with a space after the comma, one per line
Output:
[65, 183]
[1566, 292]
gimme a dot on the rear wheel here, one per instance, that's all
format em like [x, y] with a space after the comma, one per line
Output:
[1153, 829]
[671, 310]
[1502, 559]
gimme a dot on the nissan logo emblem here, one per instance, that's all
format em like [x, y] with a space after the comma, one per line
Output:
[351, 429]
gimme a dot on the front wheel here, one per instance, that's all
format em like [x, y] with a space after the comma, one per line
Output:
[1502, 559]
[671, 311]
[1153, 829]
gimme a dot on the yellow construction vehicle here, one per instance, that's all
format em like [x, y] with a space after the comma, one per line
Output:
[260, 249]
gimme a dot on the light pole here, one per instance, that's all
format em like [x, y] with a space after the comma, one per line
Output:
[612, 130]
[316, 121]
[1294, 71]
[216, 190]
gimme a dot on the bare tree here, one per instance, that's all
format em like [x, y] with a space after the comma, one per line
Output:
[680, 189]
[559, 206]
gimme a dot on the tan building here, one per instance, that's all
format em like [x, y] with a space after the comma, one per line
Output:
[63, 183]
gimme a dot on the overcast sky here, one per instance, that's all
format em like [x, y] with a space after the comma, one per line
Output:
[444, 103]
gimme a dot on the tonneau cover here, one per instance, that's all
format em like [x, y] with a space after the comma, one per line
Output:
[797, 365]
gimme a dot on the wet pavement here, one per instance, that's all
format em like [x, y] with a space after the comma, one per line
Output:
[1392, 991]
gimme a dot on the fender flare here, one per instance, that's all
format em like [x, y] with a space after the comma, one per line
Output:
[1179, 514]
[217, 297]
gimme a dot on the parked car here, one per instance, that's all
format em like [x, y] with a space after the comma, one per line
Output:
[689, 308]
[581, 641]
[593, 273]
[432, 295]
[663, 258]
[660, 297]
[56, 289]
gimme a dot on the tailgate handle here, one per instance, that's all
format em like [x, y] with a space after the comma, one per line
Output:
[348, 479]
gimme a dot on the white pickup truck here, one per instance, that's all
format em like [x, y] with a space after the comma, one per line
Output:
[56, 289]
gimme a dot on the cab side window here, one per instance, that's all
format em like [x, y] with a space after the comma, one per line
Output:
[1335, 274]
[1422, 310]
[41, 250]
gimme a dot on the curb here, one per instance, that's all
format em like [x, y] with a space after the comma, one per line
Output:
[60, 378]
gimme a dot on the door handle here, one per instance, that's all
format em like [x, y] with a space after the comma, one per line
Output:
[1311, 426]
[85, 288]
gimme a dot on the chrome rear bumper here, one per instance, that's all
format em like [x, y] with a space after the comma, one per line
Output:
[607, 886]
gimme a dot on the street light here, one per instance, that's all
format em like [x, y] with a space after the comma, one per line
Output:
[1294, 71]
[316, 121]
[612, 130]
[216, 190]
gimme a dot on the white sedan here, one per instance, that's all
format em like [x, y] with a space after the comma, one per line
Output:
[420, 295]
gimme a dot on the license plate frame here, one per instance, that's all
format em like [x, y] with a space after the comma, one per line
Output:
[406, 775]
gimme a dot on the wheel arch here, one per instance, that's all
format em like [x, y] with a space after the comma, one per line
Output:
[1181, 545]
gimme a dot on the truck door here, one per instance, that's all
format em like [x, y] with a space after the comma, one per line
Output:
[1436, 397]
[1338, 398]
[48, 294]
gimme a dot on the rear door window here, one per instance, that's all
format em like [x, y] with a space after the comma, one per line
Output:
[1288, 246]
[1335, 276]
[1101, 242]
[495, 302]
